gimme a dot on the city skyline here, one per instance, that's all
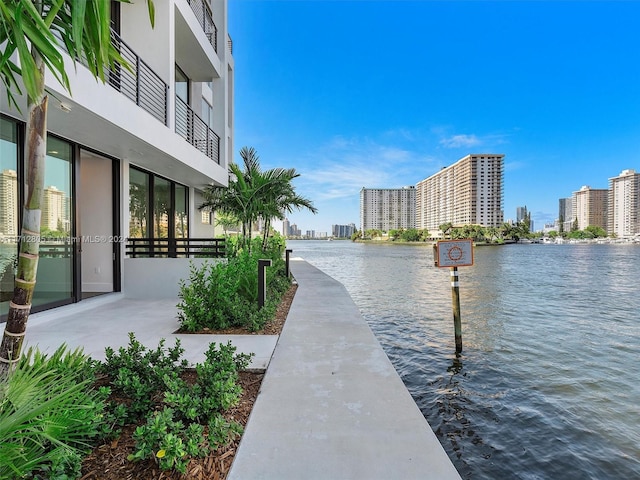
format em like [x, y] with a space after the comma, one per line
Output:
[383, 94]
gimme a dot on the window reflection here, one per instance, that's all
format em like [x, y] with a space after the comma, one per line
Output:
[181, 223]
[161, 206]
[8, 210]
[55, 267]
[166, 203]
[138, 203]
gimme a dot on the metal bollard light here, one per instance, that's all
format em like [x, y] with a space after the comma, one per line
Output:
[287, 253]
[262, 281]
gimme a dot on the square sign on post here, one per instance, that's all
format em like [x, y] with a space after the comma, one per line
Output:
[454, 253]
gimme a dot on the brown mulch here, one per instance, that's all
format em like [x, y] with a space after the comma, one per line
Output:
[109, 461]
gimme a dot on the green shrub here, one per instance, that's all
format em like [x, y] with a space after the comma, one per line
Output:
[50, 415]
[140, 375]
[175, 430]
[168, 441]
[225, 294]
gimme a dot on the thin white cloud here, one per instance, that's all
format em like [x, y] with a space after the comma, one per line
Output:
[343, 166]
[458, 141]
[511, 166]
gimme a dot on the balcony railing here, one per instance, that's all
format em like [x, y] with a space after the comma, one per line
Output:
[205, 19]
[193, 129]
[175, 247]
[141, 85]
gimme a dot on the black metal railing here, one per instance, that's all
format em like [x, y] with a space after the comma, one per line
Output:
[205, 19]
[193, 129]
[175, 247]
[140, 84]
[55, 249]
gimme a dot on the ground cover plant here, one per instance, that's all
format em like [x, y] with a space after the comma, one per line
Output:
[54, 410]
[180, 419]
[224, 295]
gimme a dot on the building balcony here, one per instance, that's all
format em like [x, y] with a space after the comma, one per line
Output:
[195, 131]
[203, 13]
[140, 84]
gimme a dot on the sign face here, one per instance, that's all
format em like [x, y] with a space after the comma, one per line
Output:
[454, 253]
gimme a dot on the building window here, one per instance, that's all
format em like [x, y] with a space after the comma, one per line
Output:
[181, 222]
[158, 207]
[207, 113]
[182, 85]
[138, 203]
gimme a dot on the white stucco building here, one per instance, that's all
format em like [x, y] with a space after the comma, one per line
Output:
[624, 205]
[387, 208]
[131, 156]
[469, 192]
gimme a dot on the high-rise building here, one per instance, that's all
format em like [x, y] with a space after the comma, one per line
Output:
[9, 203]
[343, 231]
[624, 204]
[387, 208]
[286, 227]
[521, 214]
[565, 214]
[469, 192]
[55, 210]
[590, 207]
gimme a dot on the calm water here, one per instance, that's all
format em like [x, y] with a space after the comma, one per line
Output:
[548, 384]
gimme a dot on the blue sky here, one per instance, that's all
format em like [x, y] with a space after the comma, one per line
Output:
[382, 94]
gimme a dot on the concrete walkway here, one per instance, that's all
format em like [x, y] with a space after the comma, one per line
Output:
[331, 405]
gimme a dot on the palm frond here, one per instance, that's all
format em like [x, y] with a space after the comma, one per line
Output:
[39, 28]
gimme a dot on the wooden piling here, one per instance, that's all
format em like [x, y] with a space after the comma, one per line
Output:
[455, 303]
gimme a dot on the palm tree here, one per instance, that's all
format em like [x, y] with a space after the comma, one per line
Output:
[227, 221]
[281, 198]
[254, 194]
[240, 197]
[36, 30]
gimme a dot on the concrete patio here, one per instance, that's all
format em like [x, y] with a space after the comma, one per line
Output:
[106, 320]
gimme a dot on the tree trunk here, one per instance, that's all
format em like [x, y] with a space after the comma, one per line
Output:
[265, 236]
[25, 281]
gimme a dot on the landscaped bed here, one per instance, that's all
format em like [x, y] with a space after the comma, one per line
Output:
[120, 455]
[109, 460]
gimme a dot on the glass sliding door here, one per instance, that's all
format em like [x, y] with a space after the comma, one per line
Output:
[55, 268]
[9, 201]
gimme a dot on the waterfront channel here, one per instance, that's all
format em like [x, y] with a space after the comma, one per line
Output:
[548, 382]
